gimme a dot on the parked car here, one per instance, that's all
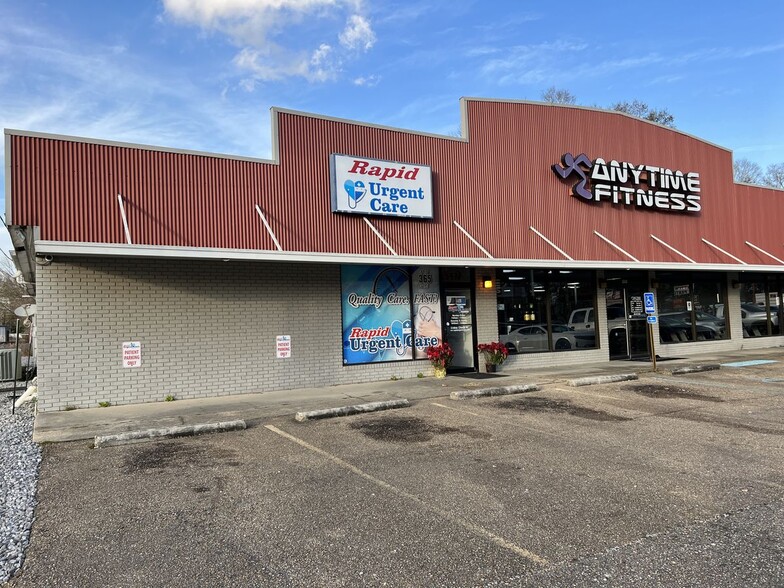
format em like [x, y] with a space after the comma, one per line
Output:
[585, 318]
[754, 317]
[676, 326]
[534, 338]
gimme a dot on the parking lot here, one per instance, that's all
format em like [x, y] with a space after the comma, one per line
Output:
[663, 481]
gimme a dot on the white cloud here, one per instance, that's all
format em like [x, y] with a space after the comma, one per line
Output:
[522, 58]
[357, 34]
[217, 13]
[273, 34]
[368, 81]
[274, 64]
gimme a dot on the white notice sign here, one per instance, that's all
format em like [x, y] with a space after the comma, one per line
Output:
[283, 346]
[132, 354]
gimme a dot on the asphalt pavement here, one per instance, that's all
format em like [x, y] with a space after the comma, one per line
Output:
[663, 481]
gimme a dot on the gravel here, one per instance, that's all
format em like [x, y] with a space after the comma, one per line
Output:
[19, 461]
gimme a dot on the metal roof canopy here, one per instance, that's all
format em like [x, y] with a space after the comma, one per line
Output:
[207, 253]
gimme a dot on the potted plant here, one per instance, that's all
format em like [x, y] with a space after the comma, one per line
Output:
[440, 356]
[495, 354]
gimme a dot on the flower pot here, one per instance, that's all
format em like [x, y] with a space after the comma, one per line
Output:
[491, 368]
[439, 372]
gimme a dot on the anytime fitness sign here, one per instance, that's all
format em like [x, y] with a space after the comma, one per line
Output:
[628, 184]
[372, 186]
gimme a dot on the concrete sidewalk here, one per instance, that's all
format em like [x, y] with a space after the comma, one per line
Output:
[87, 423]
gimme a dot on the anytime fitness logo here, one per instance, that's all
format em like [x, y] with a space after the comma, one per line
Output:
[627, 184]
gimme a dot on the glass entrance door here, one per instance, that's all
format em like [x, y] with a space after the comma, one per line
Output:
[636, 323]
[627, 323]
[459, 327]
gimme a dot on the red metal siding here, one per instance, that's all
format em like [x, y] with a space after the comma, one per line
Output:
[495, 185]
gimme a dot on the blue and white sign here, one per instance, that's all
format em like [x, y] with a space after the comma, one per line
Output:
[377, 313]
[652, 320]
[650, 307]
[374, 186]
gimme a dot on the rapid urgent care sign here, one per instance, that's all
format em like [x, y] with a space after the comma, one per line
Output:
[374, 186]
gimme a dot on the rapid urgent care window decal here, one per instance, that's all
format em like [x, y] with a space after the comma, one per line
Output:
[390, 313]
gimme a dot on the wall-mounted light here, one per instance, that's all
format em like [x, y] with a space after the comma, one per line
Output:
[735, 284]
[654, 284]
[602, 284]
[487, 282]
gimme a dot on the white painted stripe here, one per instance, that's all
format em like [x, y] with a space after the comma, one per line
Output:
[618, 247]
[269, 230]
[717, 248]
[474, 241]
[668, 246]
[375, 231]
[456, 409]
[551, 244]
[124, 219]
[495, 418]
[591, 394]
[761, 250]
[473, 528]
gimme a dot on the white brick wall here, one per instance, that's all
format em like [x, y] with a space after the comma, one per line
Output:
[206, 329]
[486, 309]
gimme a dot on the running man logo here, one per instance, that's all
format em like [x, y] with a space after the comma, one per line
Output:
[570, 166]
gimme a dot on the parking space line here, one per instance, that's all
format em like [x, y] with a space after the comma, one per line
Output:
[476, 414]
[509, 421]
[592, 395]
[473, 528]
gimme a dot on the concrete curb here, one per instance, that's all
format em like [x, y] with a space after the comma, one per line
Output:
[326, 413]
[502, 391]
[167, 432]
[692, 369]
[601, 379]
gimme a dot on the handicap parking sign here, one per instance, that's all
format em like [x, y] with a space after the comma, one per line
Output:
[649, 306]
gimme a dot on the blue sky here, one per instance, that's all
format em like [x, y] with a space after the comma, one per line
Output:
[202, 74]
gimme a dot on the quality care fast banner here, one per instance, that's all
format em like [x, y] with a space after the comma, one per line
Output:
[377, 309]
[427, 310]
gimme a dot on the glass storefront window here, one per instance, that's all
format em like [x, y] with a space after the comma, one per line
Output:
[546, 310]
[691, 307]
[760, 304]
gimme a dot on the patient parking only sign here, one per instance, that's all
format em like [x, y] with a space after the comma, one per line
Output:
[132, 354]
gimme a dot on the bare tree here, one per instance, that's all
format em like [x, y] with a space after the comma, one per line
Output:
[747, 172]
[774, 176]
[641, 110]
[11, 293]
[555, 95]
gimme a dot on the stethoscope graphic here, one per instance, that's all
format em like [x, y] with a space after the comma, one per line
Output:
[426, 314]
[355, 190]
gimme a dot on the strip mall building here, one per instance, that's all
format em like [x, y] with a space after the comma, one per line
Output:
[166, 272]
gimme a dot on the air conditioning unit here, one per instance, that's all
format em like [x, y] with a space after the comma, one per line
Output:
[10, 365]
